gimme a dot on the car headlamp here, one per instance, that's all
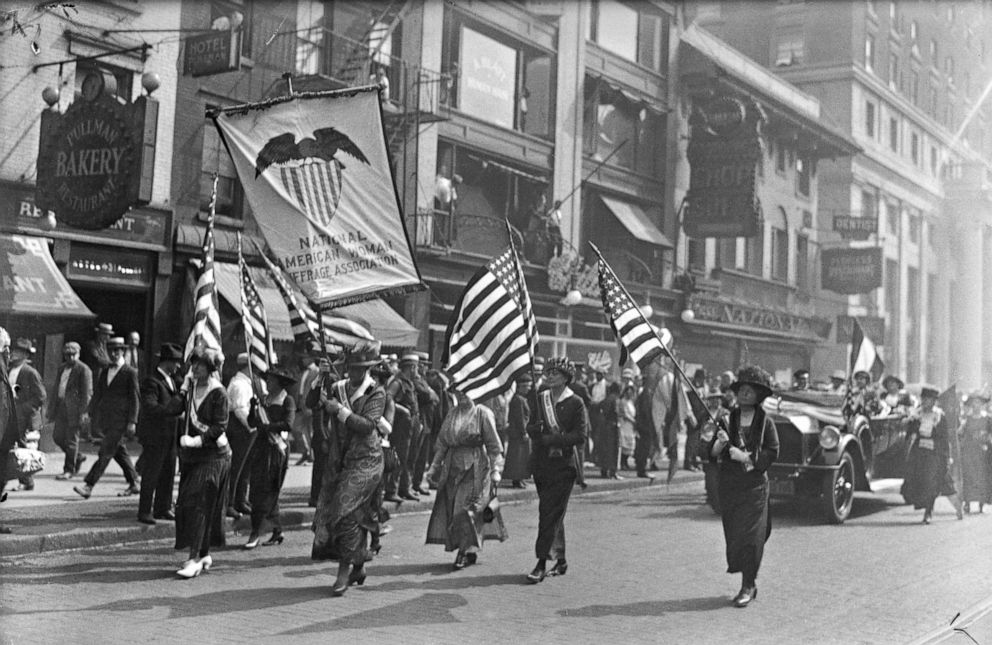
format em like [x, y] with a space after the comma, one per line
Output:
[829, 437]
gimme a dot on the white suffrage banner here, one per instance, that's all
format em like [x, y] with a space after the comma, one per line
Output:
[315, 170]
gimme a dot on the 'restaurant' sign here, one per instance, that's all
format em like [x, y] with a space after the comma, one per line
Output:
[724, 151]
[213, 53]
[851, 271]
[855, 228]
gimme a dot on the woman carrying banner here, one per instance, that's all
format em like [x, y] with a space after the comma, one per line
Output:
[205, 462]
[270, 456]
[346, 506]
[467, 466]
[559, 423]
[744, 451]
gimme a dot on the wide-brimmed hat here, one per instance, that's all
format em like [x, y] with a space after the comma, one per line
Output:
[116, 341]
[800, 374]
[209, 357]
[627, 373]
[364, 354]
[561, 365]
[756, 378]
[839, 375]
[928, 391]
[23, 344]
[285, 378]
[890, 378]
[410, 357]
[864, 373]
[170, 352]
[976, 395]
[423, 356]
[104, 328]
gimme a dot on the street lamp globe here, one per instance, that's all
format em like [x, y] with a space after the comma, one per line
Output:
[688, 315]
[150, 81]
[50, 96]
[572, 298]
[647, 311]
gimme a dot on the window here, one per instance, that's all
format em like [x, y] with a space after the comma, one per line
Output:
[933, 161]
[914, 228]
[894, 134]
[695, 253]
[802, 262]
[914, 88]
[950, 12]
[870, 119]
[914, 148]
[215, 159]
[638, 36]
[612, 118]
[914, 30]
[892, 298]
[933, 102]
[310, 47]
[872, 9]
[780, 253]
[949, 69]
[727, 252]
[934, 59]
[892, 219]
[894, 71]
[802, 176]
[892, 13]
[870, 53]
[780, 157]
[790, 49]
[123, 77]
[869, 204]
[223, 10]
[754, 248]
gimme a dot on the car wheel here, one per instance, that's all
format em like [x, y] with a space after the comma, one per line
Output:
[838, 490]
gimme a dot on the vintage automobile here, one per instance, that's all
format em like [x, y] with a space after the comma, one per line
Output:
[822, 457]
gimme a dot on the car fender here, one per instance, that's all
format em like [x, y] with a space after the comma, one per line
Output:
[849, 443]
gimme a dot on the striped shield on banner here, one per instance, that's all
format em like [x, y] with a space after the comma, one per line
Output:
[316, 188]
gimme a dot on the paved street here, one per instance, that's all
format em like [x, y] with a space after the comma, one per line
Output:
[646, 566]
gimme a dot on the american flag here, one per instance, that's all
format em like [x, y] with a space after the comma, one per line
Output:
[258, 340]
[205, 333]
[492, 332]
[637, 337]
[338, 332]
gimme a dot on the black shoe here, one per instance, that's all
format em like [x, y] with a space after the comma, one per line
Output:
[410, 496]
[243, 508]
[419, 490]
[745, 596]
[459, 561]
[537, 575]
[471, 558]
[393, 497]
[357, 577]
[146, 518]
[233, 514]
[166, 515]
[560, 568]
[644, 475]
[518, 484]
[304, 459]
[275, 539]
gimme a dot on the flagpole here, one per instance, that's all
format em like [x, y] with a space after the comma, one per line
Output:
[592, 172]
[668, 353]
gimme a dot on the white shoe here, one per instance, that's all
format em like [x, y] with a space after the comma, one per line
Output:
[191, 569]
[206, 562]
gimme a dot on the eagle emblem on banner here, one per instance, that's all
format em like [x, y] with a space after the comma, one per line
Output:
[310, 170]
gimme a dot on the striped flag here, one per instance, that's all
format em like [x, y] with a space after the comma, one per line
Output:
[637, 337]
[205, 333]
[492, 332]
[338, 332]
[864, 355]
[258, 340]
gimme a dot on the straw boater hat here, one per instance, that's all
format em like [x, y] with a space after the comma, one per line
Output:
[838, 375]
[890, 378]
[364, 354]
[976, 395]
[24, 344]
[104, 328]
[116, 341]
[755, 377]
[538, 364]
[410, 356]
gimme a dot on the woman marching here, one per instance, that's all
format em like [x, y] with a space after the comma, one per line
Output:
[976, 440]
[270, 456]
[518, 445]
[744, 451]
[205, 459]
[467, 466]
[927, 473]
[558, 424]
[346, 506]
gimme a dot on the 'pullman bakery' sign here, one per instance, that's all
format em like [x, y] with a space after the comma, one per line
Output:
[852, 271]
[724, 150]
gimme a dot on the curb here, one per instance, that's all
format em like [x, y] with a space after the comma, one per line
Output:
[960, 622]
[295, 515]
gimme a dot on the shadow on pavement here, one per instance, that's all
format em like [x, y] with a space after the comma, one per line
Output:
[430, 608]
[108, 572]
[652, 608]
[457, 580]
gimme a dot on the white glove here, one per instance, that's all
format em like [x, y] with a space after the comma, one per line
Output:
[187, 441]
[496, 478]
[737, 454]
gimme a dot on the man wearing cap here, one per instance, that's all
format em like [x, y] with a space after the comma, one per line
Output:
[240, 392]
[407, 429]
[67, 409]
[421, 451]
[29, 397]
[838, 382]
[97, 356]
[9, 432]
[800, 380]
[114, 411]
[158, 432]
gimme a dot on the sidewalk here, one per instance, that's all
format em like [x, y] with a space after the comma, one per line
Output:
[52, 517]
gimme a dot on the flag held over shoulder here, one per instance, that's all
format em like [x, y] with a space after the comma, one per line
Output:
[492, 332]
[315, 170]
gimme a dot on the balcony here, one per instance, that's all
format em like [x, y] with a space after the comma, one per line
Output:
[439, 232]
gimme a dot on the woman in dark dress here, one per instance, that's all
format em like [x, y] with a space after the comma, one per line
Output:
[976, 440]
[205, 459]
[927, 473]
[270, 456]
[346, 506]
[559, 424]
[518, 443]
[612, 410]
[744, 451]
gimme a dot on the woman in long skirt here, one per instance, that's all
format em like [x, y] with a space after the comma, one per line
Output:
[745, 450]
[927, 473]
[558, 426]
[518, 444]
[614, 411]
[976, 441]
[346, 512]
[270, 457]
[468, 460]
[205, 458]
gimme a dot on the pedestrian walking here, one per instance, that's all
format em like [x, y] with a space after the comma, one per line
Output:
[29, 399]
[9, 431]
[303, 430]
[114, 413]
[467, 466]
[408, 427]
[976, 441]
[67, 410]
[627, 411]
[745, 450]
[517, 449]
[614, 411]
[558, 426]
[345, 507]
[269, 455]
[205, 459]
[158, 433]
[927, 473]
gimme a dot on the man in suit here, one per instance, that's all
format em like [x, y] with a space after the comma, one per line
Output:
[97, 358]
[114, 411]
[68, 408]
[158, 426]
[29, 397]
[9, 431]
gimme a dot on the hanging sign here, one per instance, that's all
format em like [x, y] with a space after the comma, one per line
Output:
[851, 271]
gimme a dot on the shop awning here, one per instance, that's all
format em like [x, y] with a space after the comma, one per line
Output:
[375, 315]
[636, 221]
[33, 285]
